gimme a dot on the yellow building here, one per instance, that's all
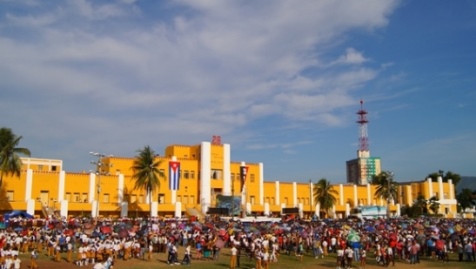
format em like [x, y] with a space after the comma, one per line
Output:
[206, 172]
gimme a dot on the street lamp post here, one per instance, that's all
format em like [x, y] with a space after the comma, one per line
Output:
[389, 181]
[310, 199]
[99, 171]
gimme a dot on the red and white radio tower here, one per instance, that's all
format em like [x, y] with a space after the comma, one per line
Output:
[363, 134]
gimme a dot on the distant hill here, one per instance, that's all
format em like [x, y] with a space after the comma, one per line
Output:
[466, 183]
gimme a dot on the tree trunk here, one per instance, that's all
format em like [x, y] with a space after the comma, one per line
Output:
[150, 202]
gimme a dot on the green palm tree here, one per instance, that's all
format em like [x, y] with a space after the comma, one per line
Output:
[465, 199]
[324, 194]
[421, 203]
[146, 172]
[386, 188]
[434, 205]
[10, 162]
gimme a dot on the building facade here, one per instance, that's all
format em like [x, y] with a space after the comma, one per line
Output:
[361, 170]
[207, 172]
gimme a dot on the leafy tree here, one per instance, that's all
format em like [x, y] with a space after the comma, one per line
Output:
[386, 188]
[434, 204]
[410, 211]
[466, 199]
[10, 162]
[421, 203]
[146, 172]
[449, 175]
[324, 194]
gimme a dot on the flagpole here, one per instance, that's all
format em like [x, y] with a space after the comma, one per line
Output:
[174, 191]
[242, 181]
[232, 199]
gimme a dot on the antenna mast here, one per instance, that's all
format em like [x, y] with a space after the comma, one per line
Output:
[363, 134]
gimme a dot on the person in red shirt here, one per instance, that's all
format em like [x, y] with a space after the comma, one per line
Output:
[399, 247]
[474, 250]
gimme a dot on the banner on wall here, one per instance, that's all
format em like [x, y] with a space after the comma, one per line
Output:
[174, 174]
[243, 173]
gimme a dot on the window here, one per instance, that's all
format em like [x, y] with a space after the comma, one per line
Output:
[53, 168]
[232, 176]
[179, 198]
[40, 167]
[185, 199]
[286, 200]
[84, 197]
[9, 196]
[161, 198]
[192, 174]
[44, 197]
[126, 198]
[192, 199]
[68, 196]
[266, 200]
[252, 200]
[272, 200]
[252, 177]
[76, 197]
[106, 198]
[133, 198]
[216, 174]
[445, 195]
[186, 174]
[141, 199]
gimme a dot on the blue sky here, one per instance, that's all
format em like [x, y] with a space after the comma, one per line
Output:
[280, 81]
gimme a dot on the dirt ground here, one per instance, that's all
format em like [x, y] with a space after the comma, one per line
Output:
[159, 260]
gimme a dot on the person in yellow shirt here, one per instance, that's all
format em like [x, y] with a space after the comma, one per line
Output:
[57, 253]
[39, 245]
[149, 253]
[69, 255]
[258, 256]
[234, 252]
[34, 256]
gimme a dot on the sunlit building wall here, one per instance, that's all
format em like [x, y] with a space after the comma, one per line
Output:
[206, 172]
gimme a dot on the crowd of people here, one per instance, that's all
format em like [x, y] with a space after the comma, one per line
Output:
[102, 242]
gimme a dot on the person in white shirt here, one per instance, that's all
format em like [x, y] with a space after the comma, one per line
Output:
[188, 255]
[390, 257]
[234, 252]
[99, 265]
[16, 262]
[333, 244]
[340, 262]
[8, 261]
[265, 259]
[349, 256]
[274, 252]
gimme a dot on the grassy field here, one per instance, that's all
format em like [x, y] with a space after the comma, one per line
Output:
[285, 261]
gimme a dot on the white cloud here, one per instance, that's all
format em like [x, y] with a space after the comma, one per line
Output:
[350, 57]
[212, 66]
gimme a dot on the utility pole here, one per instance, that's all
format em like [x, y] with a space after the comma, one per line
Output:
[99, 171]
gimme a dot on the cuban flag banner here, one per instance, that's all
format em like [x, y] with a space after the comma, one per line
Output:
[243, 173]
[174, 174]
